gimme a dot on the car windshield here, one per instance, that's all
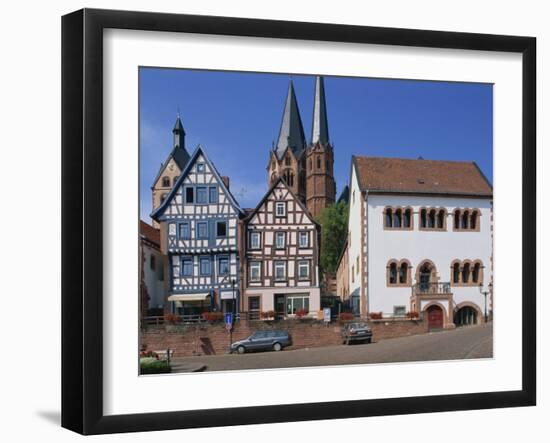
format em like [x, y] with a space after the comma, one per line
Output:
[358, 325]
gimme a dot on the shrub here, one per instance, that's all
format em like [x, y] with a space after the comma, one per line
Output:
[375, 315]
[345, 316]
[413, 315]
[267, 314]
[301, 313]
[150, 365]
[212, 316]
[172, 319]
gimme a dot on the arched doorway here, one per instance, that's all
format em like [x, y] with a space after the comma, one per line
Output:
[435, 317]
[466, 316]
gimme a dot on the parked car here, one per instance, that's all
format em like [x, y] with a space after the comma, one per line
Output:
[358, 331]
[262, 341]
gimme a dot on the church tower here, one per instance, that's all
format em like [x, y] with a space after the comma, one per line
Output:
[171, 169]
[319, 158]
[287, 158]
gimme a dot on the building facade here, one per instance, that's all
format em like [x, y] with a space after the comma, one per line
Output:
[199, 224]
[151, 270]
[420, 240]
[307, 168]
[282, 256]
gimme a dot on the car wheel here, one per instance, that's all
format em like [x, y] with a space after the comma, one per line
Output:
[277, 347]
[369, 340]
[241, 349]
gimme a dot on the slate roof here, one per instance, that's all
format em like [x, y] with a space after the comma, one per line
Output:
[291, 134]
[399, 175]
[319, 128]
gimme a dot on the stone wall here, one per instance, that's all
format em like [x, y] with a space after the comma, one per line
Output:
[213, 339]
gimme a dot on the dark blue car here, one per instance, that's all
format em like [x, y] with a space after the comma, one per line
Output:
[262, 341]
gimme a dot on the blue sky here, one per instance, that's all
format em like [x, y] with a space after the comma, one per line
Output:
[236, 116]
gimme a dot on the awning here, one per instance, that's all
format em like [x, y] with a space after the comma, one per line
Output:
[189, 297]
[228, 295]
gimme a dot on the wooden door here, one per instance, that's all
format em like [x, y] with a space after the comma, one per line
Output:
[435, 318]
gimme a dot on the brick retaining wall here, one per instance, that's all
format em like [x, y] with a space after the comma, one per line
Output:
[213, 339]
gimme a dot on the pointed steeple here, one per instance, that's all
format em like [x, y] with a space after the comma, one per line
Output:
[179, 153]
[179, 133]
[291, 134]
[319, 129]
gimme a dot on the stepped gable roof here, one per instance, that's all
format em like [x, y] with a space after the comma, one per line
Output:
[399, 175]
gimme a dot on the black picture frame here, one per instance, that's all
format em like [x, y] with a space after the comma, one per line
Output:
[82, 190]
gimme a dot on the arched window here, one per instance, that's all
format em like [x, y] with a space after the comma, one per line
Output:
[423, 218]
[457, 219]
[476, 272]
[431, 219]
[388, 218]
[165, 182]
[465, 217]
[407, 218]
[466, 273]
[404, 273]
[397, 218]
[318, 162]
[473, 220]
[456, 273]
[441, 219]
[392, 273]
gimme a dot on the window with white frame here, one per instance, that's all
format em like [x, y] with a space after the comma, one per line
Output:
[295, 303]
[280, 209]
[254, 240]
[280, 240]
[255, 270]
[304, 239]
[280, 270]
[303, 270]
[399, 311]
[200, 167]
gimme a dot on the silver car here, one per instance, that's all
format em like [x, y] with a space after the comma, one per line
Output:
[262, 341]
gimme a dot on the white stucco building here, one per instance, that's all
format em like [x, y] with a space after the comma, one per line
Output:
[420, 240]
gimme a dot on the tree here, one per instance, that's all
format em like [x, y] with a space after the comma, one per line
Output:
[334, 231]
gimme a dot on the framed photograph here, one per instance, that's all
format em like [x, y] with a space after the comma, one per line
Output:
[269, 221]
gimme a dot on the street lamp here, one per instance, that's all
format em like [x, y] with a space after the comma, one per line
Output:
[490, 287]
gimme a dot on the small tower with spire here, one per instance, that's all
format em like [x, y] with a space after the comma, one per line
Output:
[171, 168]
[320, 184]
[287, 157]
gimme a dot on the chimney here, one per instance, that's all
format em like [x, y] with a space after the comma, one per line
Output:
[225, 180]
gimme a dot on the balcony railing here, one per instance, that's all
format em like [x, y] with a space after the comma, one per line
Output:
[431, 288]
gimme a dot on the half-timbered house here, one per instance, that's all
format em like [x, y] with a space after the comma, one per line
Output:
[199, 222]
[282, 250]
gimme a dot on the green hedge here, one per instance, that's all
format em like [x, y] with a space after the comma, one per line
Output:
[150, 365]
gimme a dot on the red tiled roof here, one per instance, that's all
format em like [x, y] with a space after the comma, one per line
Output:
[150, 233]
[395, 175]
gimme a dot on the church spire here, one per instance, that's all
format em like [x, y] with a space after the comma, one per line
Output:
[179, 133]
[291, 134]
[319, 129]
